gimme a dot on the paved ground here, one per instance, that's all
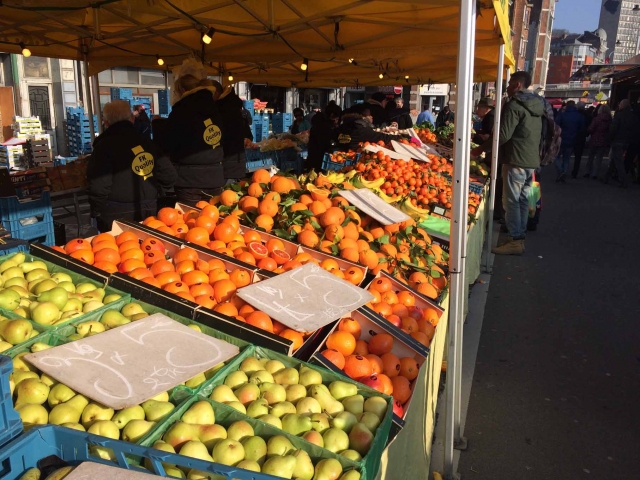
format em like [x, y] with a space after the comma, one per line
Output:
[556, 391]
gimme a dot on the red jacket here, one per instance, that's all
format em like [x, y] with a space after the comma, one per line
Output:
[599, 130]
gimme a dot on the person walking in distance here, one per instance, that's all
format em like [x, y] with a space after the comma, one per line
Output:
[572, 124]
[599, 141]
[581, 140]
[520, 137]
[623, 132]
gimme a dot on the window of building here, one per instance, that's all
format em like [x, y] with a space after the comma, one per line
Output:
[151, 77]
[125, 75]
[105, 77]
[36, 67]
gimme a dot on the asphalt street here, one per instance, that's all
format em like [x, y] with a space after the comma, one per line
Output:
[556, 390]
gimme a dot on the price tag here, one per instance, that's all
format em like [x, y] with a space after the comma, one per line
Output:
[98, 471]
[127, 365]
[306, 298]
[374, 206]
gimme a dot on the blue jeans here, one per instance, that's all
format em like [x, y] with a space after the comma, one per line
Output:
[515, 199]
[563, 160]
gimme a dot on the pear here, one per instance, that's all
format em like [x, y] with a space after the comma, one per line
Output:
[314, 437]
[309, 377]
[261, 376]
[196, 449]
[7, 264]
[247, 393]
[79, 402]
[271, 420]
[155, 411]
[83, 288]
[199, 413]
[350, 475]
[131, 309]
[38, 274]
[327, 469]
[371, 421]
[287, 376]
[273, 393]
[249, 465]
[257, 408]
[223, 394]
[250, 365]
[255, 449]
[240, 430]
[16, 331]
[31, 266]
[282, 408]
[124, 416]
[68, 286]
[335, 440]
[341, 390]
[304, 466]
[280, 466]
[136, 429]
[60, 393]
[94, 412]
[73, 426]
[377, 405]
[279, 445]
[327, 402]
[161, 397]
[351, 455]
[112, 319]
[105, 428]
[63, 413]
[20, 364]
[72, 305]
[273, 366]
[39, 347]
[320, 422]
[92, 305]
[90, 327]
[296, 424]
[308, 406]
[16, 282]
[58, 296]
[4, 346]
[212, 371]
[42, 285]
[195, 327]
[228, 452]
[210, 434]
[75, 336]
[45, 313]
[31, 391]
[24, 313]
[61, 277]
[193, 382]
[32, 415]
[344, 421]
[360, 438]
[23, 292]
[200, 475]
[236, 379]
[354, 404]
[237, 406]
[180, 433]
[20, 375]
[114, 297]
[9, 299]
[295, 393]
[47, 380]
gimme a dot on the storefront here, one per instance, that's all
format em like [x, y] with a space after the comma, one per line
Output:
[434, 96]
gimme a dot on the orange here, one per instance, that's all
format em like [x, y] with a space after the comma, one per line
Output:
[201, 204]
[149, 244]
[197, 235]
[268, 264]
[228, 198]
[103, 237]
[215, 263]
[77, 244]
[227, 308]
[260, 320]
[224, 232]
[246, 257]
[185, 266]
[381, 284]
[431, 315]
[152, 257]
[351, 254]
[334, 357]
[295, 337]
[152, 281]
[140, 273]
[290, 265]
[268, 207]
[246, 309]
[427, 290]
[133, 244]
[194, 277]
[282, 185]
[362, 348]
[329, 264]
[354, 275]
[240, 278]
[387, 384]
[280, 256]
[265, 222]
[206, 301]
[207, 223]
[356, 366]
[148, 220]
[348, 243]
[134, 253]
[344, 342]
[383, 308]
[297, 207]
[104, 245]
[186, 253]
[254, 190]
[169, 216]
[308, 239]
[186, 296]
[274, 244]
[126, 237]
[216, 274]
[304, 258]
[210, 211]
[350, 325]
[427, 328]
[305, 199]
[376, 363]
[326, 246]
[409, 325]
[401, 389]
[83, 255]
[421, 338]
[416, 278]
[233, 221]
[130, 265]
[251, 236]
[106, 266]
[399, 309]
[223, 290]
[380, 344]
[107, 255]
[200, 289]
[165, 278]
[391, 365]
[351, 231]
[409, 368]
[317, 208]
[258, 250]
[167, 230]
[406, 298]
[175, 287]
[155, 224]
[334, 233]
[389, 297]
[248, 204]
[368, 258]
[261, 176]
[332, 216]
[275, 196]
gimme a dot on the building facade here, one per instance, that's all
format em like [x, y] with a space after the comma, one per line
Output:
[621, 20]
[539, 44]
[570, 52]
[519, 19]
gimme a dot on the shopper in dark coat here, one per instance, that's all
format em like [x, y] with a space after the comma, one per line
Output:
[623, 132]
[127, 171]
[599, 142]
[142, 121]
[573, 126]
[400, 115]
[581, 140]
[445, 117]
[376, 107]
[323, 135]
[196, 142]
[356, 129]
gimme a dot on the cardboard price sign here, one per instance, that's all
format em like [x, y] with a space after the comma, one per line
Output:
[371, 204]
[411, 151]
[127, 365]
[306, 298]
[98, 471]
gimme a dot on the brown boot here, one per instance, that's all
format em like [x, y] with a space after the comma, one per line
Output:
[514, 247]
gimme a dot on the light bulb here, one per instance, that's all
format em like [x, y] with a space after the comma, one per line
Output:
[230, 77]
[207, 37]
[381, 76]
[406, 77]
[160, 61]
[25, 51]
[305, 65]
[351, 60]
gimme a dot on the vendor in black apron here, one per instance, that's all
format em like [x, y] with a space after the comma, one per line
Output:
[126, 172]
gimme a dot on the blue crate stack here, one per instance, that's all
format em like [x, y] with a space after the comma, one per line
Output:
[78, 131]
[280, 122]
[260, 127]
[15, 215]
[146, 101]
[164, 102]
[289, 159]
[121, 94]
[249, 105]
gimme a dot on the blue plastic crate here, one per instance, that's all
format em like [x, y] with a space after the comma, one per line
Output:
[476, 187]
[12, 209]
[10, 246]
[252, 154]
[288, 159]
[10, 423]
[327, 164]
[74, 447]
[120, 93]
[41, 232]
[249, 105]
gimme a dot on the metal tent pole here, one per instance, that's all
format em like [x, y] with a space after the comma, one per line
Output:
[88, 99]
[96, 99]
[494, 157]
[461, 151]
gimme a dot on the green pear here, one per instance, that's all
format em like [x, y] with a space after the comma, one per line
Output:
[12, 272]
[377, 405]
[280, 466]
[200, 475]
[47, 380]
[105, 428]
[314, 437]
[249, 465]
[210, 435]
[273, 366]
[75, 336]
[295, 392]
[320, 422]
[327, 402]
[195, 327]
[258, 407]
[223, 394]
[124, 416]
[351, 455]
[19, 375]
[39, 347]
[91, 306]
[200, 413]
[212, 371]
[4, 346]
[250, 365]
[271, 420]
[354, 404]
[42, 285]
[131, 309]
[23, 292]
[31, 391]
[287, 376]
[32, 415]
[237, 406]
[23, 312]
[255, 449]
[138, 316]
[19, 258]
[335, 440]
[240, 430]
[196, 381]
[61, 277]
[66, 316]
[371, 421]
[68, 286]
[45, 313]
[59, 393]
[165, 447]
[35, 265]
[360, 438]
[7, 264]
[180, 433]
[97, 294]
[279, 445]
[327, 469]
[9, 299]
[58, 296]
[63, 413]
[37, 274]
[72, 305]
[261, 376]
[341, 390]
[282, 408]
[228, 452]
[155, 411]
[196, 449]
[94, 412]
[247, 393]
[114, 297]
[20, 364]
[136, 429]
[350, 475]
[83, 288]
[273, 393]
[74, 426]
[90, 327]
[79, 402]
[236, 379]
[296, 424]
[304, 466]
[16, 282]
[344, 421]
[16, 331]
[308, 406]
[309, 377]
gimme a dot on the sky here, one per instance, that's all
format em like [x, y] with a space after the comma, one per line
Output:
[577, 15]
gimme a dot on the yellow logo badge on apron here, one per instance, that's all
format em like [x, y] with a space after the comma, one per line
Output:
[212, 134]
[143, 162]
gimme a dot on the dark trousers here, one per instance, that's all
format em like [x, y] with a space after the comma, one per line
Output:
[191, 196]
[498, 209]
[630, 156]
[578, 150]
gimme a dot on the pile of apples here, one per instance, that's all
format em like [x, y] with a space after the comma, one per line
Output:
[30, 291]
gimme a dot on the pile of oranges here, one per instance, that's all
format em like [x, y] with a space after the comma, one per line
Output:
[371, 363]
[426, 136]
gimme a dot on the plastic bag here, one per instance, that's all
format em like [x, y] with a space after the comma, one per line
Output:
[535, 197]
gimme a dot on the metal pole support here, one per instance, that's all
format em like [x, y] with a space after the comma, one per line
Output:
[88, 99]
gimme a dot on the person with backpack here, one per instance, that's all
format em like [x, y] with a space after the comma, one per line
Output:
[573, 126]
